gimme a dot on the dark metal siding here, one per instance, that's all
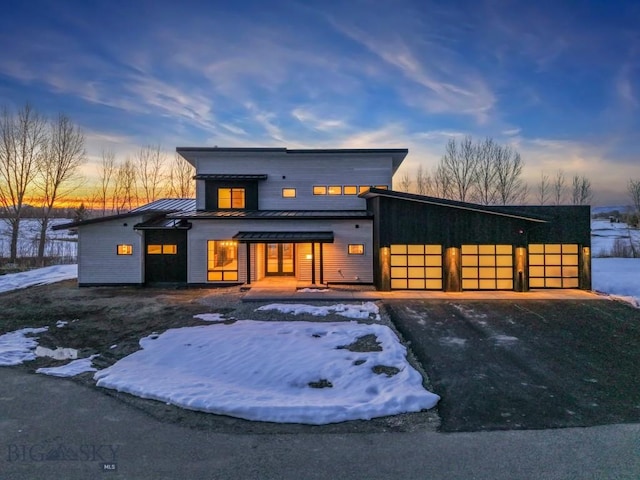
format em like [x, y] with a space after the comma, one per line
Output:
[166, 268]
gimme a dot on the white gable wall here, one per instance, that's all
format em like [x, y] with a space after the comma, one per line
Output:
[98, 262]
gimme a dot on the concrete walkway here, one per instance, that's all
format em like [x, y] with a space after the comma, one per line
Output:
[97, 436]
[289, 289]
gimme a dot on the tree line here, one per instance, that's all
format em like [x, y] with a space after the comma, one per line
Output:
[488, 173]
[41, 159]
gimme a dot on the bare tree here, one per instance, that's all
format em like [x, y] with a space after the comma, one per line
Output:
[423, 181]
[559, 187]
[459, 165]
[405, 182]
[58, 170]
[107, 171]
[125, 195]
[581, 193]
[509, 186]
[543, 188]
[485, 186]
[441, 183]
[23, 140]
[634, 193]
[181, 178]
[151, 172]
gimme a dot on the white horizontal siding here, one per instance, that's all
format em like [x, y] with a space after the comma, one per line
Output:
[98, 262]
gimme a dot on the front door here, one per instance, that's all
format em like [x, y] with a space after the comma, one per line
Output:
[280, 259]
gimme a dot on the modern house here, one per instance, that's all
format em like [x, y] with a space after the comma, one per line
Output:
[328, 217]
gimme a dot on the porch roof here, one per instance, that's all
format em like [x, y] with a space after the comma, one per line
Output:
[284, 237]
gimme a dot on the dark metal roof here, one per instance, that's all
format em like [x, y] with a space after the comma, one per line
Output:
[284, 237]
[168, 205]
[230, 176]
[272, 214]
[165, 205]
[163, 223]
[442, 202]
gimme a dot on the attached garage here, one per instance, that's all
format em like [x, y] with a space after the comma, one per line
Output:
[429, 243]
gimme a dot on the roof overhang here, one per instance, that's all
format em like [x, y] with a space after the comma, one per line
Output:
[229, 176]
[284, 237]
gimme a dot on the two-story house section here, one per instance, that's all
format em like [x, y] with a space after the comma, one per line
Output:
[277, 212]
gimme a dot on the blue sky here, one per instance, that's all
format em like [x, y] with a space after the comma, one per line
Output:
[559, 80]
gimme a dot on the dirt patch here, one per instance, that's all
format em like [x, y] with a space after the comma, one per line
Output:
[110, 321]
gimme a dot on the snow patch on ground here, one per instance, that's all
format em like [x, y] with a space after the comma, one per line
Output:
[210, 317]
[39, 276]
[619, 277]
[71, 369]
[361, 311]
[453, 341]
[18, 346]
[291, 372]
[57, 354]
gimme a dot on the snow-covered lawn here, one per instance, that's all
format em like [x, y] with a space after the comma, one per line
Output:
[290, 372]
[39, 276]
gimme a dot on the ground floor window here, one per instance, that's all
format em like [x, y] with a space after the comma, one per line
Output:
[125, 250]
[222, 260]
[162, 249]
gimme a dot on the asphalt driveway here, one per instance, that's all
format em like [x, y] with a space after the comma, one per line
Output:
[526, 364]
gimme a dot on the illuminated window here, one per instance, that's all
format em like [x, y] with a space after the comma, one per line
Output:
[222, 261]
[154, 249]
[289, 192]
[169, 249]
[334, 190]
[350, 190]
[356, 249]
[125, 250]
[319, 190]
[231, 198]
[363, 188]
[383, 187]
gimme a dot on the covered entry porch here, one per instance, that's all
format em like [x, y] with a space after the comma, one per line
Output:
[288, 254]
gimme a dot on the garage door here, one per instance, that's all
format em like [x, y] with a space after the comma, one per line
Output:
[487, 267]
[553, 266]
[416, 267]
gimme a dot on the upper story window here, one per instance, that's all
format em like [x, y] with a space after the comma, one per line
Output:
[319, 190]
[350, 190]
[289, 193]
[231, 198]
[124, 250]
[334, 189]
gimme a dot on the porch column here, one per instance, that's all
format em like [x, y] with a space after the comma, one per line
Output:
[313, 263]
[248, 263]
[321, 264]
[585, 269]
